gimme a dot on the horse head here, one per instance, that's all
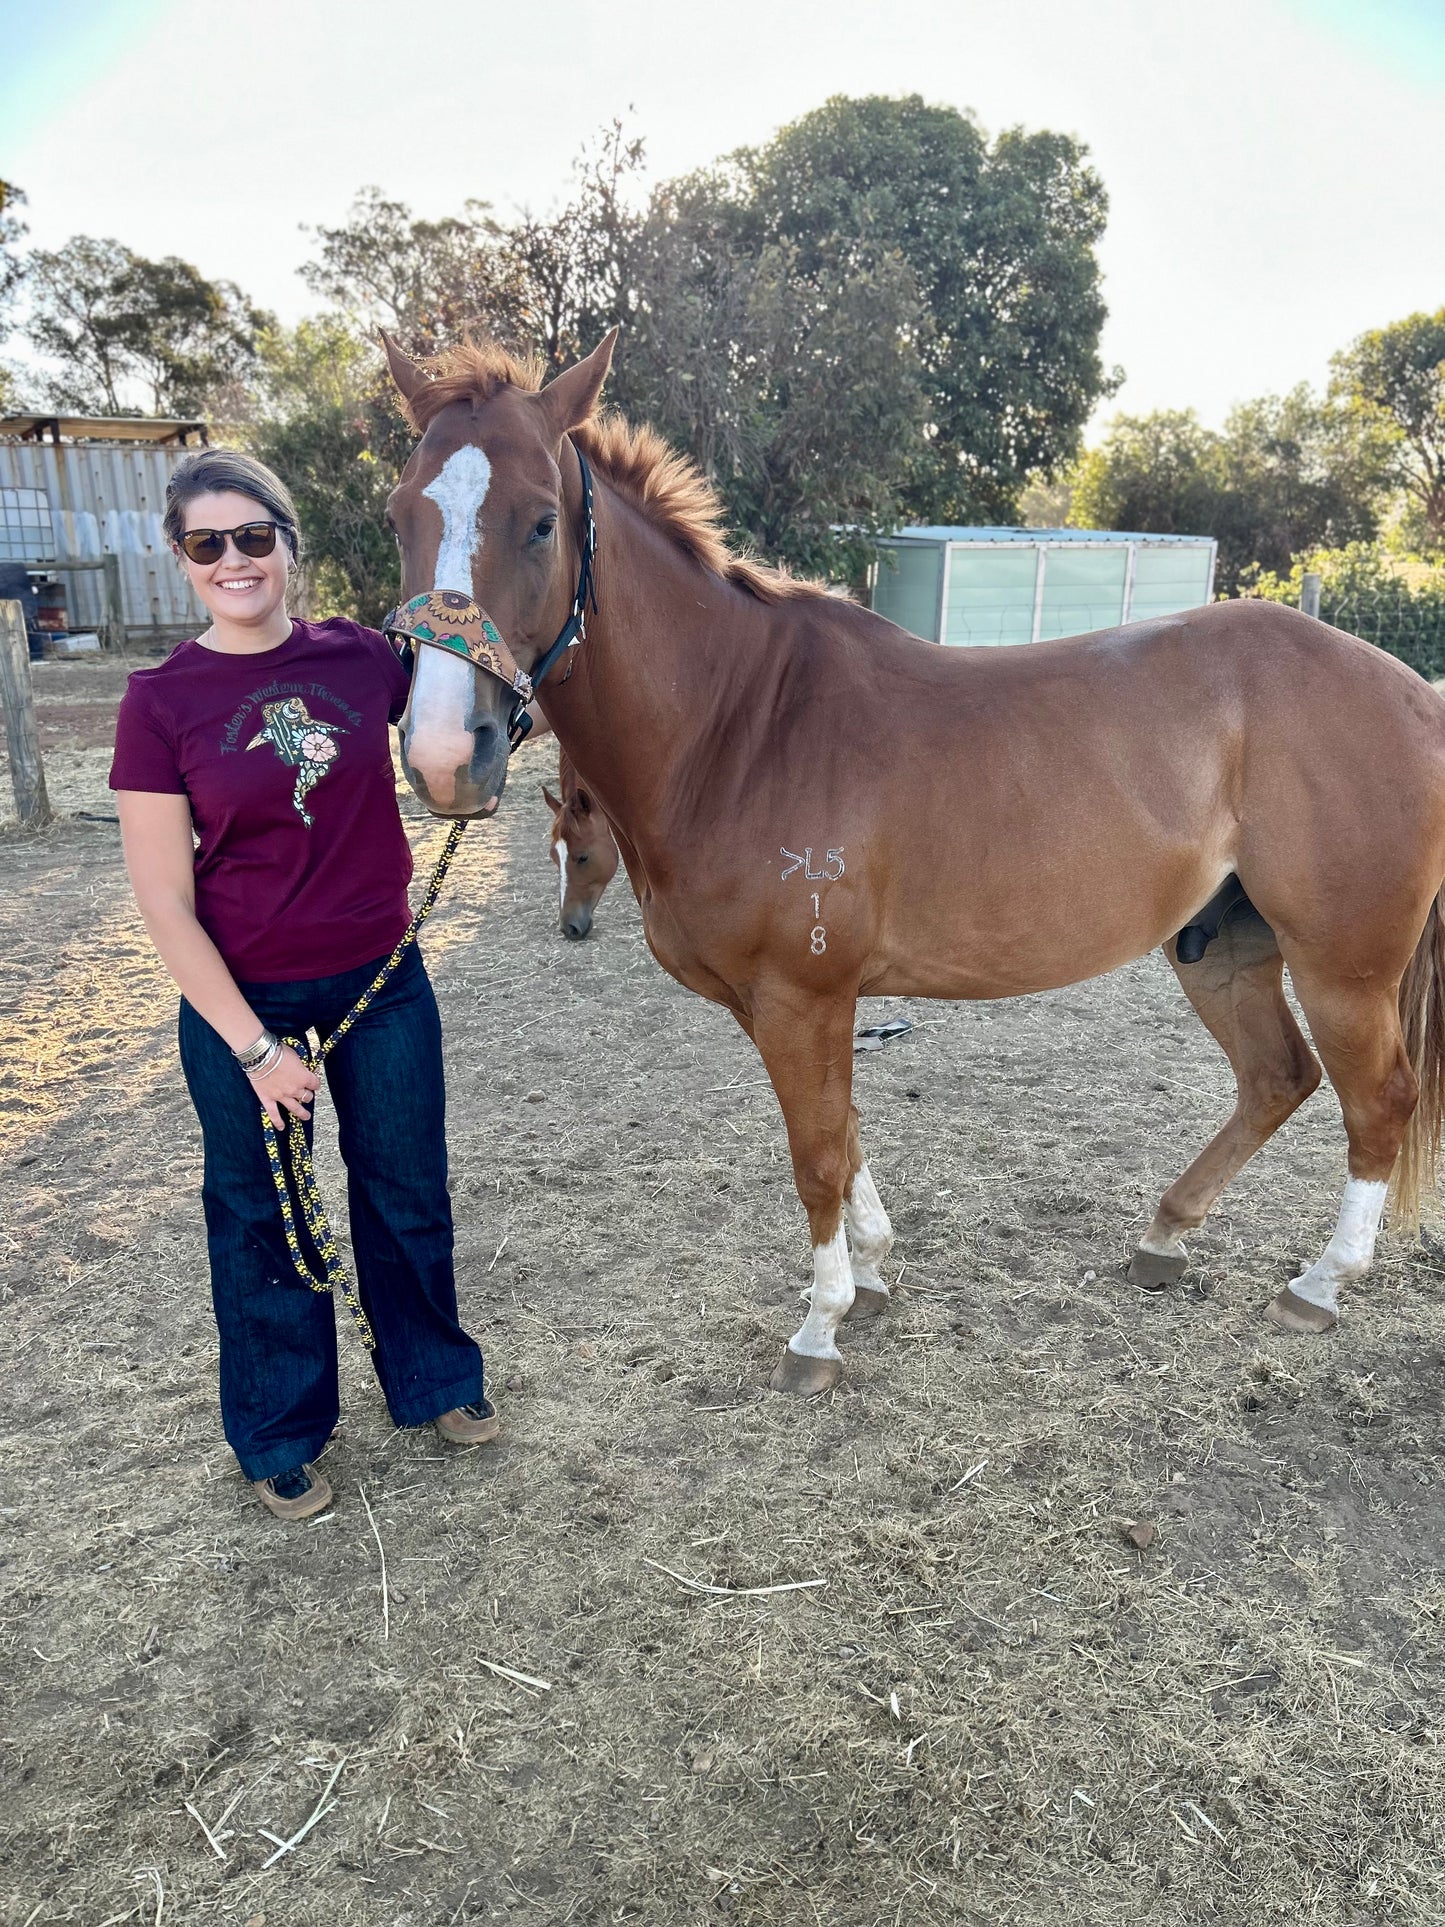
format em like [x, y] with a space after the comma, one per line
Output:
[582, 846]
[486, 515]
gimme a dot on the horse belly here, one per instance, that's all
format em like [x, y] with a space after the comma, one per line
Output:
[980, 937]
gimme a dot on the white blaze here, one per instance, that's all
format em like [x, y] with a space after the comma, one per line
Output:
[459, 491]
[562, 873]
[445, 683]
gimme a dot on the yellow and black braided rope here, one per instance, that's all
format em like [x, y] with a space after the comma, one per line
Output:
[336, 1278]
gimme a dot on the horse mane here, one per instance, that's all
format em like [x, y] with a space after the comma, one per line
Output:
[665, 486]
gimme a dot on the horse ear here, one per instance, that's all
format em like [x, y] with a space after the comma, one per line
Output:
[571, 399]
[554, 803]
[584, 802]
[404, 371]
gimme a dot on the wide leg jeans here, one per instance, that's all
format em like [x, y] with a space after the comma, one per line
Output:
[279, 1395]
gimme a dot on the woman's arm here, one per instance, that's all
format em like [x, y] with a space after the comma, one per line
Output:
[155, 829]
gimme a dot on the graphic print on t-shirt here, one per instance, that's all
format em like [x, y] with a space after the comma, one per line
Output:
[302, 744]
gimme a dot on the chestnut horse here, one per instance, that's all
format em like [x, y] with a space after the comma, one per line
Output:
[582, 846]
[1240, 784]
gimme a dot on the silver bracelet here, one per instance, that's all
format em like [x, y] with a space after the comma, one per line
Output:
[255, 1053]
[268, 1063]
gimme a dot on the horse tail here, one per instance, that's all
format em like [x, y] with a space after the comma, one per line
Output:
[1422, 1023]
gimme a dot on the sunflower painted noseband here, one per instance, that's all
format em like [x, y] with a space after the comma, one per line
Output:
[445, 619]
[448, 620]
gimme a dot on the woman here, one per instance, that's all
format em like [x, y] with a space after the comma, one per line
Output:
[258, 812]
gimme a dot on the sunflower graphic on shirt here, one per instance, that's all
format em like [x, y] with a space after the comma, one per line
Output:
[302, 744]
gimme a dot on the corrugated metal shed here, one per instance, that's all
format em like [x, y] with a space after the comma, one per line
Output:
[987, 586]
[106, 497]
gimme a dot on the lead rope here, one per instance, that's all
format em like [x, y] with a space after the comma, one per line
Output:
[338, 1280]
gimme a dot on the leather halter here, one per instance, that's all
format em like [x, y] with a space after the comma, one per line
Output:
[445, 619]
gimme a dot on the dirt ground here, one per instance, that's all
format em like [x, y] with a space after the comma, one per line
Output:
[977, 1702]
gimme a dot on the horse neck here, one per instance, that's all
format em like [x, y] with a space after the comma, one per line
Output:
[649, 679]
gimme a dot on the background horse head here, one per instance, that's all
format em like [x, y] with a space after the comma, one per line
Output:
[480, 513]
[582, 846]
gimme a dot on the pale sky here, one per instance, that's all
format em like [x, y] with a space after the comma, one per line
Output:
[1274, 167]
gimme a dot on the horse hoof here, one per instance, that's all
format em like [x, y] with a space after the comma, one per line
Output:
[868, 1303]
[1288, 1312]
[805, 1377]
[1154, 1270]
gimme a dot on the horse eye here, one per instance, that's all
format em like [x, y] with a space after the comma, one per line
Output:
[544, 528]
[581, 858]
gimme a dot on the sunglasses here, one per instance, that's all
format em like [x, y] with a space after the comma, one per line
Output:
[253, 539]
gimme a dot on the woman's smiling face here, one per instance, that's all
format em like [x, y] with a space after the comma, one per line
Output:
[239, 588]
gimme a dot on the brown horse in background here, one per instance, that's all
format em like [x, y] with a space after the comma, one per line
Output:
[1240, 785]
[582, 846]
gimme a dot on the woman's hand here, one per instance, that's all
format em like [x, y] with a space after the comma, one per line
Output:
[288, 1082]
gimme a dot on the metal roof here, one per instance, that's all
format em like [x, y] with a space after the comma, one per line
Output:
[154, 429]
[940, 534]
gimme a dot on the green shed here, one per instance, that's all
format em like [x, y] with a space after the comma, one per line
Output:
[991, 586]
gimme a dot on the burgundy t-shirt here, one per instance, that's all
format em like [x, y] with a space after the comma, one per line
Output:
[303, 862]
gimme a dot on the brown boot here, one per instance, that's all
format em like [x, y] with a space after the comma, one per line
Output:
[298, 1494]
[469, 1424]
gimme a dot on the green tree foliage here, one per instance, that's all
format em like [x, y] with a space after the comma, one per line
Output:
[1400, 608]
[576, 269]
[12, 233]
[1286, 473]
[13, 266]
[1395, 377]
[1150, 473]
[1000, 238]
[1295, 472]
[327, 422]
[797, 391]
[120, 328]
[879, 315]
[425, 281]
[794, 388]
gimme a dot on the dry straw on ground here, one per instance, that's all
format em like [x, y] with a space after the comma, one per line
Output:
[1005, 1702]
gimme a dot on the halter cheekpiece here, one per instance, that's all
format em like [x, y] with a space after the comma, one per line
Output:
[445, 619]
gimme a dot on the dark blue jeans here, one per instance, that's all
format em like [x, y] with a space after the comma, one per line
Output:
[279, 1397]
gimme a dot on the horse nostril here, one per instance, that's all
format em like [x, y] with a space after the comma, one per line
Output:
[576, 926]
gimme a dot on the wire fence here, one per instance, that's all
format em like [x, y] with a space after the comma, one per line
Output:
[1408, 623]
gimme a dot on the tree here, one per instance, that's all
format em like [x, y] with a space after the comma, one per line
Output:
[119, 325]
[426, 281]
[797, 392]
[1287, 473]
[192, 342]
[878, 315]
[1293, 472]
[1395, 377]
[1000, 238]
[1150, 473]
[12, 232]
[77, 321]
[577, 268]
[328, 423]
[13, 267]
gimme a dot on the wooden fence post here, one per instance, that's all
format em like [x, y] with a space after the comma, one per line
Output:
[22, 739]
[113, 622]
[1309, 594]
